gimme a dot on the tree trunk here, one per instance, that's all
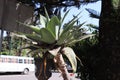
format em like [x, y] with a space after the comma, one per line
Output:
[39, 71]
[107, 65]
[62, 66]
[1, 39]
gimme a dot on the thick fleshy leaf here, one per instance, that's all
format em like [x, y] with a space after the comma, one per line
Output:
[53, 24]
[68, 26]
[34, 37]
[46, 14]
[62, 38]
[58, 32]
[80, 38]
[71, 56]
[93, 26]
[80, 25]
[46, 36]
[65, 34]
[21, 35]
[32, 47]
[43, 21]
[62, 20]
[32, 27]
[35, 28]
[70, 37]
[54, 52]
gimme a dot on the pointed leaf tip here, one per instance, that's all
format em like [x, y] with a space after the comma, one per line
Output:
[71, 56]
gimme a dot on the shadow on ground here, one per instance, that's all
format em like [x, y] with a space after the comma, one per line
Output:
[10, 73]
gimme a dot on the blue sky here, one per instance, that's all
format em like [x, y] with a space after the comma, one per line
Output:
[85, 15]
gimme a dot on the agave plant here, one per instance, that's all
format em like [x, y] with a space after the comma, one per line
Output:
[53, 37]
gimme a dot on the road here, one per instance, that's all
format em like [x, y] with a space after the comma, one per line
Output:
[17, 76]
[30, 76]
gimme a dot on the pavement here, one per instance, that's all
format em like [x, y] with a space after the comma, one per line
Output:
[31, 76]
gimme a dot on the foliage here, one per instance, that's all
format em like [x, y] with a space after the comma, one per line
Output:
[53, 36]
[86, 51]
[93, 13]
[116, 4]
[54, 6]
[12, 45]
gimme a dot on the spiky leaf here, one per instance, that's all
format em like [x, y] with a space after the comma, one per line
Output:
[43, 21]
[46, 14]
[47, 36]
[54, 52]
[52, 25]
[62, 39]
[34, 37]
[71, 56]
[32, 27]
[62, 20]
[80, 38]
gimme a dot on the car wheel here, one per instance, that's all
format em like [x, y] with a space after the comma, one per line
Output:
[26, 71]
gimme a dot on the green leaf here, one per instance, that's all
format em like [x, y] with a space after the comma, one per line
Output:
[116, 4]
[65, 34]
[53, 24]
[32, 47]
[21, 35]
[46, 14]
[38, 51]
[46, 36]
[32, 27]
[43, 21]
[74, 19]
[34, 37]
[64, 16]
[93, 26]
[69, 38]
[69, 26]
[80, 25]
[80, 38]
[62, 38]
[71, 56]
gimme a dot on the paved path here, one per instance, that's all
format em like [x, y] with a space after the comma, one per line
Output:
[17, 77]
[31, 76]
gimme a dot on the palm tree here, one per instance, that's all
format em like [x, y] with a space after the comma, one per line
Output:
[52, 37]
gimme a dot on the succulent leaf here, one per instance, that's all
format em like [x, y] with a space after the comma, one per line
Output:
[46, 36]
[71, 56]
[53, 24]
[43, 21]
